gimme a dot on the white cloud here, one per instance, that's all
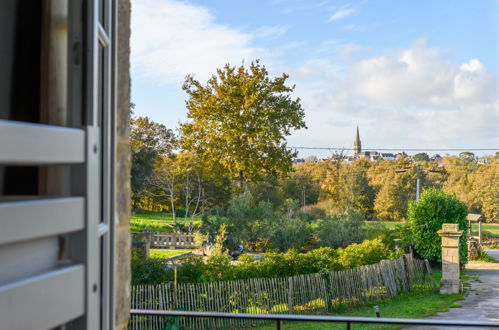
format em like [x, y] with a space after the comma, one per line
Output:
[403, 97]
[341, 13]
[473, 82]
[421, 76]
[171, 39]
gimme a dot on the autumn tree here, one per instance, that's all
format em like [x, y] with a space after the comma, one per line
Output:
[148, 141]
[484, 195]
[421, 157]
[239, 120]
[396, 185]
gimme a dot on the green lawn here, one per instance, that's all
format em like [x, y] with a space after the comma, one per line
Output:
[162, 254]
[493, 228]
[157, 221]
[388, 224]
[413, 304]
[405, 305]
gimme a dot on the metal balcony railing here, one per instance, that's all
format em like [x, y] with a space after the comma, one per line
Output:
[347, 320]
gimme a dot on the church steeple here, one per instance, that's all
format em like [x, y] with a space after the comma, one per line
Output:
[357, 147]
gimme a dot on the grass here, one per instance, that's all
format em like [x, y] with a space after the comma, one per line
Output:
[493, 228]
[405, 305]
[415, 304]
[388, 224]
[163, 254]
[158, 221]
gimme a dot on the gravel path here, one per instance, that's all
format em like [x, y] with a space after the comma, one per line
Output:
[481, 302]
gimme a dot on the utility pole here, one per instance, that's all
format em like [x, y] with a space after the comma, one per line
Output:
[417, 183]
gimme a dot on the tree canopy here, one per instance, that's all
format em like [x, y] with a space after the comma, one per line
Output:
[422, 156]
[239, 120]
[426, 217]
[148, 141]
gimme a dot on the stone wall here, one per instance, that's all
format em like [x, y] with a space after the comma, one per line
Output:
[122, 271]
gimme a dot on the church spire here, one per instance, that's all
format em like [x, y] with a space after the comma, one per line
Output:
[357, 147]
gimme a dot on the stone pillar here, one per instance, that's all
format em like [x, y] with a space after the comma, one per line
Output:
[450, 234]
[122, 270]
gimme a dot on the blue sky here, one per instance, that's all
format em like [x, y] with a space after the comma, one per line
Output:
[410, 73]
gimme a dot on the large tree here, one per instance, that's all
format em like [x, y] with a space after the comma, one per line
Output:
[149, 141]
[239, 120]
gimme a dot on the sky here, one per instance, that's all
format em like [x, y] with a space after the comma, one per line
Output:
[410, 74]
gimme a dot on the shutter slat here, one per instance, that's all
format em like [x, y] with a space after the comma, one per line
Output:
[36, 144]
[44, 301]
[23, 220]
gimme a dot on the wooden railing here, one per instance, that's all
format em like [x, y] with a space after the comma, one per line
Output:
[165, 240]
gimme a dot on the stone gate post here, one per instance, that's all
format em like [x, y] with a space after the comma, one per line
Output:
[450, 234]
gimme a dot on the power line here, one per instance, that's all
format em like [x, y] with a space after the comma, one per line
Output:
[396, 149]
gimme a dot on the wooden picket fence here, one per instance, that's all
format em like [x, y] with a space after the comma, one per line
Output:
[311, 293]
[165, 240]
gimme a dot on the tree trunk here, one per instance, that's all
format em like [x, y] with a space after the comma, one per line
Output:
[173, 208]
[241, 181]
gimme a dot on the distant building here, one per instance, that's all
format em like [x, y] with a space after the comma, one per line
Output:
[371, 155]
[357, 146]
[388, 156]
[485, 160]
[435, 157]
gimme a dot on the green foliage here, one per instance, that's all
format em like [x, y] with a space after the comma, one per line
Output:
[483, 256]
[156, 226]
[426, 217]
[158, 222]
[239, 121]
[289, 234]
[299, 185]
[365, 253]
[467, 157]
[148, 141]
[219, 247]
[148, 270]
[421, 157]
[381, 231]
[273, 264]
[247, 221]
[342, 229]
[163, 254]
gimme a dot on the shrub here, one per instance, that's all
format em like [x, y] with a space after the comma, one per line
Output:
[426, 217]
[148, 271]
[366, 253]
[290, 234]
[180, 212]
[379, 230]
[342, 229]
[315, 212]
[246, 220]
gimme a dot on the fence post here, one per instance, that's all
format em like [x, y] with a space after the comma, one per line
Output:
[428, 268]
[175, 285]
[327, 282]
[290, 295]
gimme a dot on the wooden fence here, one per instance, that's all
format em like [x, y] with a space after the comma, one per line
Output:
[165, 240]
[311, 293]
